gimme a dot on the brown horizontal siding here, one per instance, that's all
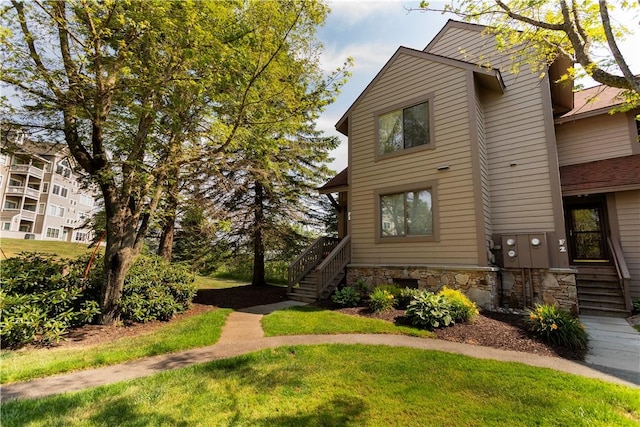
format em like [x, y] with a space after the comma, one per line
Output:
[594, 138]
[411, 78]
[628, 208]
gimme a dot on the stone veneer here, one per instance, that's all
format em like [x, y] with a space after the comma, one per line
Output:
[482, 285]
[479, 284]
[554, 287]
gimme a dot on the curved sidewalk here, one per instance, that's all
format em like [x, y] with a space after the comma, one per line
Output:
[243, 334]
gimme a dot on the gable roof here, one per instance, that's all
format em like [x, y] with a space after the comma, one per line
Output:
[487, 77]
[453, 24]
[592, 102]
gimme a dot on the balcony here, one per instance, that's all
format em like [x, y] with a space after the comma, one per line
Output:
[27, 169]
[23, 191]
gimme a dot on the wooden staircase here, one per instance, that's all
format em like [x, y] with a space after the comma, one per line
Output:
[600, 293]
[319, 269]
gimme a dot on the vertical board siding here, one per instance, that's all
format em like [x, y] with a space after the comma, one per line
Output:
[628, 208]
[409, 77]
[594, 138]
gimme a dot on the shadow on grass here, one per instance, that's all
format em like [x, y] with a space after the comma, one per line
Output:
[340, 411]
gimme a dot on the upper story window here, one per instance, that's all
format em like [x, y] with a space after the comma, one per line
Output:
[56, 189]
[407, 213]
[405, 128]
[63, 168]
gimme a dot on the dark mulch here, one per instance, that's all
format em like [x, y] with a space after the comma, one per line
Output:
[491, 329]
[241, 296]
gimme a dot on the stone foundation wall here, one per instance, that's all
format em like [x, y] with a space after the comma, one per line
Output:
[487, 288]
[480, 285]
[540, 286]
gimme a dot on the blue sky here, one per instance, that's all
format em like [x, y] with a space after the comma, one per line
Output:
[370, 32]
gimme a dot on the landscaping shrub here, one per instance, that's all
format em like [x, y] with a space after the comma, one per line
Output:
[462, 308]
[428, 310]
[381, 300]
[41, 298]
[636, 305]
[156, 290]
[346, 297]
[557, 326]
[405, 297]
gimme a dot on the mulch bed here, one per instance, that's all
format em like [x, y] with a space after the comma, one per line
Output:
[498, 330]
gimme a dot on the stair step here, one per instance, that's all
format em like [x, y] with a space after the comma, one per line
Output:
[607, 292]
[310, 292]
[597, 284]
[600, 311]
[597, 277]
[609, 302]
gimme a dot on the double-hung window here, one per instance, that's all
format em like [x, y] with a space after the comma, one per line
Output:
[405, 128]
[407, 213]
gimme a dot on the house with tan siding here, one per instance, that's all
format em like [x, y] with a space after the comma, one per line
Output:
[507, 186]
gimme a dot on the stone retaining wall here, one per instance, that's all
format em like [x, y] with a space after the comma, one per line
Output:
[488, 288]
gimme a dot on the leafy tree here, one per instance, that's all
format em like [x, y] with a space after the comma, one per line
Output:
[124, 84]
[583, 31]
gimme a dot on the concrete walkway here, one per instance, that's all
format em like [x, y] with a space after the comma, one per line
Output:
[614, 347]
[243, 334]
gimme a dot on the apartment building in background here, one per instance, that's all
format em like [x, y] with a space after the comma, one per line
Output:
[41, 196]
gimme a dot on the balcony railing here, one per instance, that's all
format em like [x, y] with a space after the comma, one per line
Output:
[27, 169]
[22, 190]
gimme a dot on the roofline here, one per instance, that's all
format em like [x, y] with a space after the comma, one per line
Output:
[455, 24]
[492, 72]
[586, 114]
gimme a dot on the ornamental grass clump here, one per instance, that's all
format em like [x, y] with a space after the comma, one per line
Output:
[381, 300]
[557, 326]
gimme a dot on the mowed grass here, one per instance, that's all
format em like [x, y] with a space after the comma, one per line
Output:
[12, 247]
[342, 385]
[209, 282]
[189, 332]
[312, 320]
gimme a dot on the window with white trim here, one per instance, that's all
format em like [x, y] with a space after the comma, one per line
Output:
[53, 233]
[56, 189]
[6, 226]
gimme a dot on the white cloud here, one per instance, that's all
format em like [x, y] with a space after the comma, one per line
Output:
[366, 56]
[354, 11]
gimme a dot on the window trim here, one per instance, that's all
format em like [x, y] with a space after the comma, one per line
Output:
[432, 186]
[429, 99]
[52, 229]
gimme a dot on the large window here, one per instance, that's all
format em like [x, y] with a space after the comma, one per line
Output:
[404, 128]
[406, 213]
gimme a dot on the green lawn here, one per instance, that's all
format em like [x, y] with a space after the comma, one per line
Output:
[12, 247]
[312, 320]
[190, 332]
[209, 282]
[341, 385]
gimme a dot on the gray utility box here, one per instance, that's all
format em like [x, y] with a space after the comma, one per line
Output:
[525, 250]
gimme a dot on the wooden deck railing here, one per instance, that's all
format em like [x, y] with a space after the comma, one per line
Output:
[310, 258]
[333, 265]
[624, 277]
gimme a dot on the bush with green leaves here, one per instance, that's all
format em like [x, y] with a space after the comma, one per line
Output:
[557, 326]
[348, 296]
[156, 290]
[428, 310]
[381, 300]
[636, 305]
[462, 308]
[42, 297]
[405, 297]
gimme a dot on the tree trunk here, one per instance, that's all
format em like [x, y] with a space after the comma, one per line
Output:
[120, 254]
[165, 249]
[258, 244]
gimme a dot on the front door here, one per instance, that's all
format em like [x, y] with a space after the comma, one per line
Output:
[586, 225]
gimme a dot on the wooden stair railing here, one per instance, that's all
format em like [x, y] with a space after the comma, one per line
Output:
[333, 265]
[308, 259]
[624, 277]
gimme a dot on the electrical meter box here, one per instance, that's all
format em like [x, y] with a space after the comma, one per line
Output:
[525, 250]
